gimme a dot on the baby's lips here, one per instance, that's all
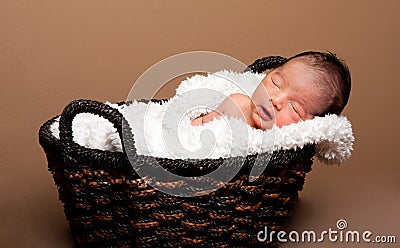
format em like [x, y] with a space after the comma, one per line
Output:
[264, 113]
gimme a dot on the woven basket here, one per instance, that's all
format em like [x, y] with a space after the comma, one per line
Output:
[108, 205]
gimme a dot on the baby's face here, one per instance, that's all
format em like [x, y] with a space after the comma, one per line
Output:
[290, 93]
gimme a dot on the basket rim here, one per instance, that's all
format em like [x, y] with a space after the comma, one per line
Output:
[118, 160]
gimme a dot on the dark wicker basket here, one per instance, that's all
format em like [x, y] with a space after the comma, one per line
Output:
[108, 205]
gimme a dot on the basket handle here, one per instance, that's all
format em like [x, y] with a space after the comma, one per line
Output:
[78, 152]
[266, 63]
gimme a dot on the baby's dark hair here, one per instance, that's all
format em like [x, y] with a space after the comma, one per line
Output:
[334, 78]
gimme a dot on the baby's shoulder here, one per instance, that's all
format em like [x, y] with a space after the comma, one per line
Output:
[240, 98]
[237, 100]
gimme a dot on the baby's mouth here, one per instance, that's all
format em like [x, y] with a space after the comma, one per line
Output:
[264, 113]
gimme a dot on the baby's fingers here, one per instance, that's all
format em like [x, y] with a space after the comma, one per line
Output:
[197, 122]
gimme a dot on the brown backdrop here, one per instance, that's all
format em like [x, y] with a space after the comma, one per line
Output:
[52, 52]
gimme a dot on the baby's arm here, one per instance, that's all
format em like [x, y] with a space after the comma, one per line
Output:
[220, 110]
[233, 105]
[205, 118]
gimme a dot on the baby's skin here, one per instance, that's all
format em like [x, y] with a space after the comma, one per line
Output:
[288, 93]
[236, 105]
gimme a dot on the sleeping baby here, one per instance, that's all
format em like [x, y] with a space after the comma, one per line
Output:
[308, 84]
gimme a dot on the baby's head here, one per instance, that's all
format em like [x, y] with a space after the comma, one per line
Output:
[308, 84]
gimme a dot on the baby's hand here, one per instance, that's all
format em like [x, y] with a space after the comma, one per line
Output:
[198, 121]
[205, 118]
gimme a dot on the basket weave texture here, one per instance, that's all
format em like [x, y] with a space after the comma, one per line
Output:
[107, 204]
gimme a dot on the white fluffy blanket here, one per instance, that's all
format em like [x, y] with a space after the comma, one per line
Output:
[166, 131]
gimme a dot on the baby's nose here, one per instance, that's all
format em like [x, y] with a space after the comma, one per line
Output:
[277, 102]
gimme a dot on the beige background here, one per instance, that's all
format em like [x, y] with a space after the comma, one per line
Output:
[52, 52]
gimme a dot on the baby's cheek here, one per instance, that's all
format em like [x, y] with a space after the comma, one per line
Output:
[284, 120]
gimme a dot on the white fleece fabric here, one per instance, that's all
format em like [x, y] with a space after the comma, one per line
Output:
[165, 130]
